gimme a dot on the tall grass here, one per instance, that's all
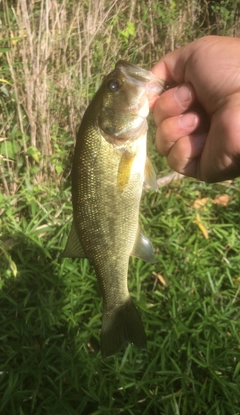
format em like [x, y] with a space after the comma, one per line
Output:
[54, 54]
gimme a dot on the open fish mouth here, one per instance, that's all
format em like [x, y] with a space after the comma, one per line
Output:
[151, 83]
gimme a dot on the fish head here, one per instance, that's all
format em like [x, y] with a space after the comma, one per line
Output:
[126, 93]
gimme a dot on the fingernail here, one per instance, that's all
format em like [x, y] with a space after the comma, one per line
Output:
[183, 95]
[187, 120]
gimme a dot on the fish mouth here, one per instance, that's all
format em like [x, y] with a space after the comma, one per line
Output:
[138, 74]
[141, 77]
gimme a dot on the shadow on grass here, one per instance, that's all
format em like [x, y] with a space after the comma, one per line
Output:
[45, 338]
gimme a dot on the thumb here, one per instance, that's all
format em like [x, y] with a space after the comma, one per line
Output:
[171, 68]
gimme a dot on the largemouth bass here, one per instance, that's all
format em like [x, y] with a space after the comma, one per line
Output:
[109, 168]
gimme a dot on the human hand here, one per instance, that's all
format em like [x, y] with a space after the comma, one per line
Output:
[198, 121]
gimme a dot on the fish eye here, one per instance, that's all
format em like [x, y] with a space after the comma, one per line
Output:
[113, 85]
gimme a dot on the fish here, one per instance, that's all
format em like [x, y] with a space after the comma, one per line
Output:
[109, 169]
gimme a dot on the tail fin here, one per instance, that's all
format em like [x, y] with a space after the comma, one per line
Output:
[122, 325]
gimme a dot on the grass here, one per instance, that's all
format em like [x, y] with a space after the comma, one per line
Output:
[51, 311]
[53, 56]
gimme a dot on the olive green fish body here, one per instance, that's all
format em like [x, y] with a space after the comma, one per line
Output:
[107, 178]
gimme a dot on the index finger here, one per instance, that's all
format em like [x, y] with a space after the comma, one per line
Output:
[173, 102]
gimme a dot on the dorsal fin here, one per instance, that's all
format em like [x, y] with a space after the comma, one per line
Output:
[73, 247]
[143, 248]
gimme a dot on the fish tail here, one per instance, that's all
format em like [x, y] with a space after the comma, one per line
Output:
[122, 325]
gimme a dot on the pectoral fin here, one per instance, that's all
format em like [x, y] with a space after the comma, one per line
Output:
[150, 175]
[73, 247]
[143, 248]
[124, 170]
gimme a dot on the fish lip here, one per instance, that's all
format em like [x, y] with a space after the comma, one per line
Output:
[138, 75]
[151, 84]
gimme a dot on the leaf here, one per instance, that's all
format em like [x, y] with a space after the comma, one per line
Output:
[131, 28]
[59, 168]
[203, 229]
[129, 31]
[236, 280]
[201, 226]
[4, 81]
[4, 50]
[10, 149]
[14, 39]
[13, 268]
[222, 200]
[34, 153]
[237, 370]
[160, 278]
[199, 203]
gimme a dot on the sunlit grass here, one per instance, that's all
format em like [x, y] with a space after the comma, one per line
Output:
[189, 301]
